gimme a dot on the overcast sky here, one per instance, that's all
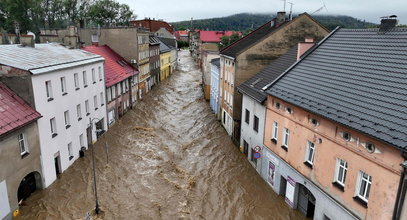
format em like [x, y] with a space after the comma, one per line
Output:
[179, 10]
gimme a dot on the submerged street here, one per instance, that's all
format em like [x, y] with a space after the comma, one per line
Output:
[168, 158]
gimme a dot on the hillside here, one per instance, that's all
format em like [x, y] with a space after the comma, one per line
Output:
[246, 21]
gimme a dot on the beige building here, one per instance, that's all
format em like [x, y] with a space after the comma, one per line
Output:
[247, 56]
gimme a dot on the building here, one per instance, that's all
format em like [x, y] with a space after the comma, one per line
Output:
[143, 58]
[165, 61]
[172, 44]
[342, 110]
[250, 54]
[67, 87]
[215, 75]
[154, 60]
[118, 75]
[20, 154]
[153, 25]
[182, 35]
[254, 109]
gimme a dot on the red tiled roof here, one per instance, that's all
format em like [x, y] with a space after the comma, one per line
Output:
[14, 111]
[153, 25]
[116, 68]
[179, 34]
[214, 36]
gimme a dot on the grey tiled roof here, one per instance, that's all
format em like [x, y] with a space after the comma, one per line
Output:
[163, 47]
[216, 62]
[357, 78]
[253, 86]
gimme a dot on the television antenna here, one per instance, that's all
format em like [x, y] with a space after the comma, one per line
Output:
[290, 17]
[284, 3]
[321, 8]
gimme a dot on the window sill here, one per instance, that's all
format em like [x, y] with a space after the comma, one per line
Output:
[308, 164]
[284, 147]
[67, 126]
[79, 119]
[50, 99]
[274, 141]
[54, 135]
[100, 79]
[85, 86]
[96, 109]
[102, 104]
[360, 201]
[94, 82]
[24, 155]
[64, 94]
[77, 89]
[87, 114]
[71, 157]
[338, 186]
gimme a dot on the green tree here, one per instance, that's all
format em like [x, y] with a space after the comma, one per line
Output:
[109, 12]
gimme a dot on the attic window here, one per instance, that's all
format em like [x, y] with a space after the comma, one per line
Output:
[370, 147]
[346, 136]
[314, 121]
[255, 82]
[277, 105]
[289, 110]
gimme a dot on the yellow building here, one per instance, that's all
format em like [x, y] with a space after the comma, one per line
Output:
[165, 64]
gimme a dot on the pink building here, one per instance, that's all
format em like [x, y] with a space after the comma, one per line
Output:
[335, 126]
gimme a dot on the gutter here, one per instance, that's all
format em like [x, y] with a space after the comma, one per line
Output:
[401, 193]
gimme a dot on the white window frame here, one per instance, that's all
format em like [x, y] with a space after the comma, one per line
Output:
[109, 94]
[70, 151]
[95, 102]
[87, 107]
[81, 143]
[66, 119]
[85, 79]
[79, 111]
[22, 143]
[368, 185]
[102, 99]
[76, 80]
[48, 87]
[274, 133]
[310, 154]
[93, 76]
[63, 85]
[53, 125]
[100, 73]
[341, 168]
[286, 137]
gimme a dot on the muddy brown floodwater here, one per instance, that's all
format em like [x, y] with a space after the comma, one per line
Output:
[169, 158]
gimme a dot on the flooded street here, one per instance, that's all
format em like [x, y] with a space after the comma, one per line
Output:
[169, 158]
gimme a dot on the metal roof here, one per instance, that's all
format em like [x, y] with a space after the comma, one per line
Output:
[44, 57]
[355, 77]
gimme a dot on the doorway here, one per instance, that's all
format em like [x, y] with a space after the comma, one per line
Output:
[28, 185]
[57, 162]
[306, 201]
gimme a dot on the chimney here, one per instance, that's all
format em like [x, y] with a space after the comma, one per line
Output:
[27, 41]
[387, 23]
[304, 47]
[280, 17]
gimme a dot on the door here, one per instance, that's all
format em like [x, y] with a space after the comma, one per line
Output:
[57, 163]
[306, 202]
[89, 135]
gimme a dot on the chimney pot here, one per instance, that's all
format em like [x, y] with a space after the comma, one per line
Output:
[280, 17]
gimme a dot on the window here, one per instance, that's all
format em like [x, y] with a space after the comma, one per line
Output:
[109, 94]
[95, 102]
[370, 147]
[53, 127]
[363, 186]
[309, 157]
[85, 79]
[102, 99]
[314, 121]
[274, 132]
[81, 140]
[70, 152]
[66, 117]
[113, 91]
[87, 107]
[256, 124]
[286, 136]
[340, 172]
[346, 136]
[23, 144]
[100, 73]
[79, 112]
[247, 117]
[278, 105]
[93, 76]
[63, 86]
[289, 110]
[119, 89]
[76, 81]
[49, 90]
[254, 160]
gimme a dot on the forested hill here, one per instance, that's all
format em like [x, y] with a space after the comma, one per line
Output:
[246, 21]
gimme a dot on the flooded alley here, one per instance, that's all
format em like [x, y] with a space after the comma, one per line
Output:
[168, 158]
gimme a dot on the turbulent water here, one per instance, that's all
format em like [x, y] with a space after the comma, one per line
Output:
[169, 158]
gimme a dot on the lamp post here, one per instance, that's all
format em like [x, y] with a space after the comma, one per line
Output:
[94, 169]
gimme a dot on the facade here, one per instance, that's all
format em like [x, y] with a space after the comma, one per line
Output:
[182, 35]
[215, 74]
[143, 58]
[154, 60]
[165, 61]
[20, 154]
[172, 44]
[343, 115]
[153, 25]
[118, 75]
[206, 72]
[69, 94]
[247, 56]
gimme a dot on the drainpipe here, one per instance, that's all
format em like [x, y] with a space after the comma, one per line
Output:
[401, 194]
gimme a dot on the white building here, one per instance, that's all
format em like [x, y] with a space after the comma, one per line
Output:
[67, 87]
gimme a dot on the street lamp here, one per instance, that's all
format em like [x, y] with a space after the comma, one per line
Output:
[93, 164]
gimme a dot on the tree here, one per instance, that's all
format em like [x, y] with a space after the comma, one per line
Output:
[109, 12]
[228, 40]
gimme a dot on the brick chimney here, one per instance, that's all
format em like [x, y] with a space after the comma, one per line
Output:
[27, 41]
[280, 17]
[304, 47]
[387, 23]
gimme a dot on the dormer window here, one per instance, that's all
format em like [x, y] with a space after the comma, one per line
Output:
[289, 110]
[370, 147]
[277, 105]
[314, 121]
[346, 136]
